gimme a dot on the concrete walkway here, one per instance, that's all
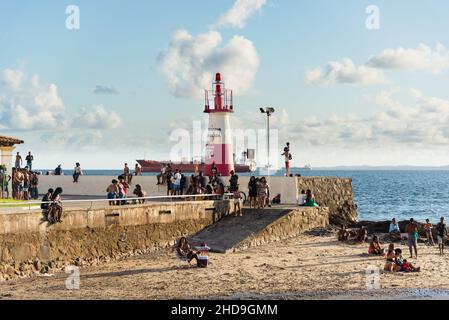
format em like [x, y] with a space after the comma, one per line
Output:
[226, 234]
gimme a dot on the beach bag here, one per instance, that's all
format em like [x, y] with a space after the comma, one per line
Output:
[203, 261]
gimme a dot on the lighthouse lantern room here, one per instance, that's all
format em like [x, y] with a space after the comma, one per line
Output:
[219, 150]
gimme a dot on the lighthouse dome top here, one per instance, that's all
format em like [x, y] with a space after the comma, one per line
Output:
[219, 99]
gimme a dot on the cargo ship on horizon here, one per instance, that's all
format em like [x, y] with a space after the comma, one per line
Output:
[154, 166]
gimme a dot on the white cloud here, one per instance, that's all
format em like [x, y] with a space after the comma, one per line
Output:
[98, 118]
[240, 12]
[421, 58]
[345, 72]
[13, 78]
[191, 62]
[38, 106]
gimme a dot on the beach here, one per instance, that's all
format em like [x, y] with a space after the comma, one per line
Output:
[311, 266]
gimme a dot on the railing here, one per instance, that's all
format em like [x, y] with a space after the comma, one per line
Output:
[135, 200]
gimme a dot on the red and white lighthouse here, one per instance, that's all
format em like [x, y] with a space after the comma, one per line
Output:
[219, 150]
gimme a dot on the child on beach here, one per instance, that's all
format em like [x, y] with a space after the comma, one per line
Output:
[374, 247]
[391, 255]
[112, 191]
[403, 265]
[237, 199]
[428, 228]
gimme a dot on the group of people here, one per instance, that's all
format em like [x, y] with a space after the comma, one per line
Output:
[24, 184]
[412, 231]
[52, 205]
[29, 161]
[307, 199]
[117, 191]
[345, 235]
[394, 260]
[259, 193]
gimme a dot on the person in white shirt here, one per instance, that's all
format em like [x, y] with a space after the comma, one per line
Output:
[176, 183]
[302, 198]
[394, 230]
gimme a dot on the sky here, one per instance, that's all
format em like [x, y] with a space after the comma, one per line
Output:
[352, 84]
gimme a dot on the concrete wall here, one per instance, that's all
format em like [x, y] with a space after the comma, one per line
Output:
[96, 186]
[88, 237]
[334, 193]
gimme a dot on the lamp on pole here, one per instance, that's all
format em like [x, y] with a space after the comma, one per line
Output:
[268, 111]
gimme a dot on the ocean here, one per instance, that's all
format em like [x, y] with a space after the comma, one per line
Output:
[382, 195]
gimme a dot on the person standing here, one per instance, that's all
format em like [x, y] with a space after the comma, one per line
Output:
[252, 188]
[29, 159]
[137, 170]
[412, 231]
[287, 156]
[183, 182]
[176, 180]
[5, 178]
[18, 161]
[34, 182]
[112, 191]
[442, 234]
[127, 174]
[428, 228]
[77, 172]
[234, 182]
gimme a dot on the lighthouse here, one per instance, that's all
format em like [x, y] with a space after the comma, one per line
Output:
[219, 150]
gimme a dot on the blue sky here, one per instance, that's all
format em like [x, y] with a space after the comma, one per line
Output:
[388, 112]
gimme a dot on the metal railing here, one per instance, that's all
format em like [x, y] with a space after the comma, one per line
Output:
[134, 200]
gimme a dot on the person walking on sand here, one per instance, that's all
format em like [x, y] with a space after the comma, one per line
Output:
[412, 231]
[428, 228]
[77, 172]
[442, 234]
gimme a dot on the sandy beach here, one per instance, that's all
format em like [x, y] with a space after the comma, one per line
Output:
[306, 267]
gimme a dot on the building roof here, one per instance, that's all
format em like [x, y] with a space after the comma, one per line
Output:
[8, 141]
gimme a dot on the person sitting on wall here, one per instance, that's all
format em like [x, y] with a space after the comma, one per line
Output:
[343, 234]
[394, 231]
[277, 199]
[140, 193]
[310, 200]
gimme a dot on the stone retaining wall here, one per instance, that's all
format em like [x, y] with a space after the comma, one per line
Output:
[89, 237]
[334, 193]
[294, 223]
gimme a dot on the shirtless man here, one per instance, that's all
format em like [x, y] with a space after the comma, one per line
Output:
[18, 160]
[17, 183]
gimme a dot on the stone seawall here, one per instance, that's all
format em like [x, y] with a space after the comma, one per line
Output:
[334, 193]
[292, 223]
[89, 237]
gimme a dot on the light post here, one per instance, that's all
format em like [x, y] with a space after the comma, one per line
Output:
[268, 111]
